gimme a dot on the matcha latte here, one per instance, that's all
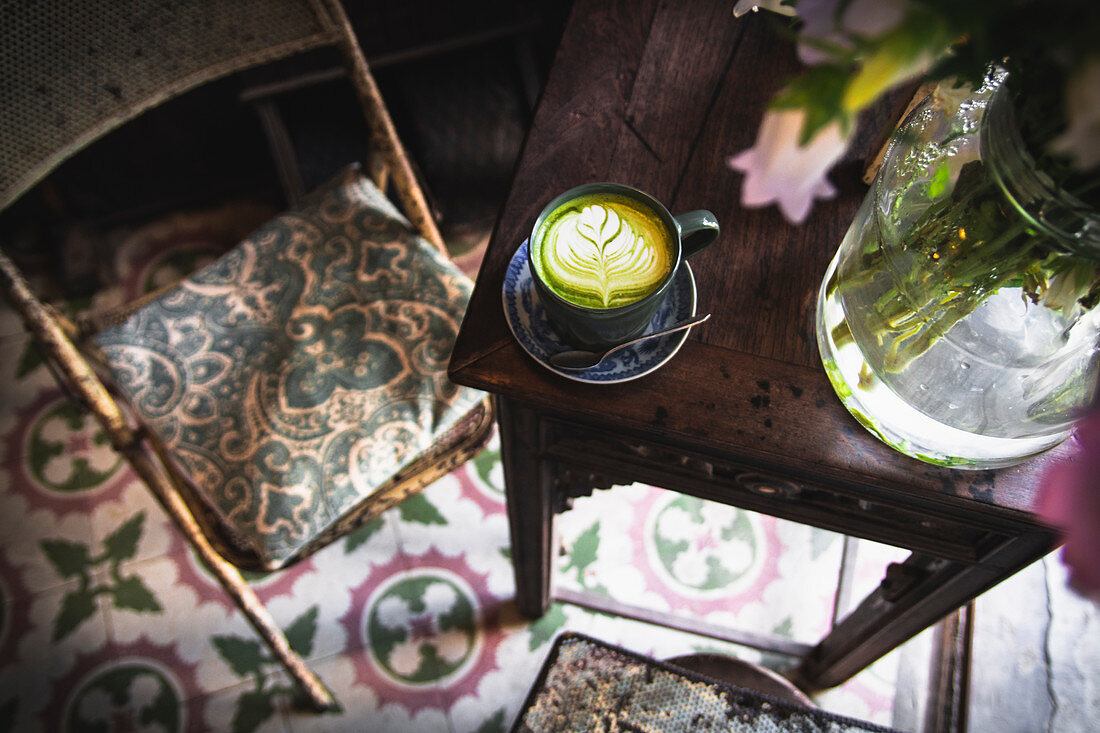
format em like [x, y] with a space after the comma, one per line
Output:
[603, 250]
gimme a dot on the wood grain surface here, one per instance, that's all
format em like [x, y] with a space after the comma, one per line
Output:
[659, 96]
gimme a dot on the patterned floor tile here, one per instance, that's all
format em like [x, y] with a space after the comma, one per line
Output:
[22, 374]
[173, 617]
[430, 633]
[58, 476]
[263, 705]
[39, 532]
[367, 708]
[671, 552]
[57, 635]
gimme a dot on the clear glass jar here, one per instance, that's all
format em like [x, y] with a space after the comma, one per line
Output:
[957, 321]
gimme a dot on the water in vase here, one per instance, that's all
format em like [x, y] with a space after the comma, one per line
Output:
[985, 391]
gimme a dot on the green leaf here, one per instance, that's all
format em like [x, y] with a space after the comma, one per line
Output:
[359, 537]
[784, 629]
[122, 543]
[494, 724]
[76, 608]
[545, 628]
[300, 633]
[819, 92]
[253, 708]
[484, 462]
[585, 550]
[820, 541]
[29, 360]
[244, 656]
[937, 186]
[418, 509]
[131, 593]
[70, 559]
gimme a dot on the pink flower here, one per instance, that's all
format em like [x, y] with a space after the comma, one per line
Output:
[1081, 140]
[779, 170]
[1069, 499]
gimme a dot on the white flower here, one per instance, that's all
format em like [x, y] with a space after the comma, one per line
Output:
[1081, 140]
[779, 170]
[775, 6]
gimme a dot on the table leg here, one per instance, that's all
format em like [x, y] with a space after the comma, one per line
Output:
[913, 596]
[529, 489]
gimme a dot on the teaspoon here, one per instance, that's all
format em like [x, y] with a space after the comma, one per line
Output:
[589, 359]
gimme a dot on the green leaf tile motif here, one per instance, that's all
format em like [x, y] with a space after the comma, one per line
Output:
[29, 360]
[70, 559]
[244, 656]
[360, 536]
[253, 709]
[300, 633]
[131, 594]
[73, 560]
[583, 555]
[495, 724]
[122, 543]
[418, 509]
[484, 463]
[547, 627]
[76, 608]
[67, 451]
[295, 374]
[422, 629]
[127, 697]
[703, 546]
[250, 659]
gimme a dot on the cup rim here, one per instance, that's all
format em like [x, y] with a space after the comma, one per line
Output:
[663, 213]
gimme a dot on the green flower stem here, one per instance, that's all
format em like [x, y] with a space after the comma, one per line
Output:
[966, 246]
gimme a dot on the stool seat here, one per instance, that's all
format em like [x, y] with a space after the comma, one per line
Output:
[589, 685]
[739, 673]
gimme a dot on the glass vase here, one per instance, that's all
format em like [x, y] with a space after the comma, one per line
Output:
[958, 320]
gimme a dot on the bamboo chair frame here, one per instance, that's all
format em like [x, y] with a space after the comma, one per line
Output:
[61, 342]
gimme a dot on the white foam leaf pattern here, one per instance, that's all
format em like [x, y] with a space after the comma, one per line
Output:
[601, 257]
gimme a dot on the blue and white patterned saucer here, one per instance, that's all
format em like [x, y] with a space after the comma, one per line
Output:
[527, 319]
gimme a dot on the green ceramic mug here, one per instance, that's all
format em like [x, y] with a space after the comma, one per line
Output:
[603, 257]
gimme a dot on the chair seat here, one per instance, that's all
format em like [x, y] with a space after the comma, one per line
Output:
[294, 376]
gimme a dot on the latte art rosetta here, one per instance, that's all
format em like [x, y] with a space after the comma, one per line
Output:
[603, 255]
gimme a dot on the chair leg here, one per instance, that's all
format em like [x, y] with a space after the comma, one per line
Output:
[146, 465]
[75, 373]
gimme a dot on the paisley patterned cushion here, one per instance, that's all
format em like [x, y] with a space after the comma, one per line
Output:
[297, 373]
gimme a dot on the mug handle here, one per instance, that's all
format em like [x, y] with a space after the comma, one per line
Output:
[697, 230]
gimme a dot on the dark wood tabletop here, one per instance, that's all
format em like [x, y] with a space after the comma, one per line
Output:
[659, 95]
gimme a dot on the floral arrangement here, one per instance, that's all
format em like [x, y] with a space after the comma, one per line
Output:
[1045, 53]
[856, 50]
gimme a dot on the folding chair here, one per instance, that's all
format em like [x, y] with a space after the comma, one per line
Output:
[295, 388]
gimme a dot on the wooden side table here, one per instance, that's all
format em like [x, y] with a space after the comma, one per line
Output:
[658, 95]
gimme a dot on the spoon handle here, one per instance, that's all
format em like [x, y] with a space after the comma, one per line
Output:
[578, 360]
[686, 323]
